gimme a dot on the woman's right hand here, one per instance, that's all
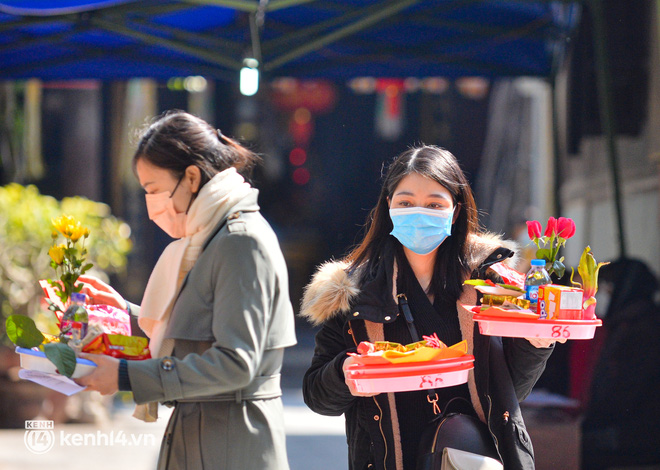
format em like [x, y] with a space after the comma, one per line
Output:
[351, 360]
[99, 292]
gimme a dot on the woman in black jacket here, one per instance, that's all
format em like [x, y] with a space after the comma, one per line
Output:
[423, 241]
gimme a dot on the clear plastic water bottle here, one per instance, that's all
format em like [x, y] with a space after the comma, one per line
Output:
[75, 319]
[536, 276]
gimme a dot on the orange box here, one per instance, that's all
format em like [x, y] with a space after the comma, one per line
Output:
[559, 302]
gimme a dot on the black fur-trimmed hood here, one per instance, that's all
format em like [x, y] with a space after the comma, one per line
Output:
[332, 289]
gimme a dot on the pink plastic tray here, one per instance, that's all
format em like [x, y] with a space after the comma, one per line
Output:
[410, 376]
[531, 328]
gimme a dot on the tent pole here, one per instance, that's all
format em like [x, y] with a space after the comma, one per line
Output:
[200, 53]
[556, 200]
[606, 107]
[243, 5]
[388, 9]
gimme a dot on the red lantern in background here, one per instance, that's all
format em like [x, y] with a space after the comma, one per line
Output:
[389, 107]
[303, 99]
[290, 94]
[301, 127]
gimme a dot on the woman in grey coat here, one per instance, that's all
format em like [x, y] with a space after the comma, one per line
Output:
[216, 308]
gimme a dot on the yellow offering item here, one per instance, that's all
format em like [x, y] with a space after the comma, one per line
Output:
[51, 338]
[425, 354]
[501, 299]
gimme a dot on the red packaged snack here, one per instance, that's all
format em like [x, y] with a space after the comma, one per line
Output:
[134, 348]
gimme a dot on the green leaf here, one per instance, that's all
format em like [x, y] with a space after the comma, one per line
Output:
[543, 253]
[62, 356]
[559, 268]
[23, 332]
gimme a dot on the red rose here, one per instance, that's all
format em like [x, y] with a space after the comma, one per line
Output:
[551, 228]
[534, 229]
[565, 227]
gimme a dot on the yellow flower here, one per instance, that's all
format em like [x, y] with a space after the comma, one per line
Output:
[70, 228]
[63, 224]
[77, 231]
[56, 253]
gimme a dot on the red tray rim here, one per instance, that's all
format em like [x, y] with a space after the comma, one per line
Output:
[448, 362]
[410, 373]
[536, 321]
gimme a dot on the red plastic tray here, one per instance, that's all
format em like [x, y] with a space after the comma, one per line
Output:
[532, 328]
[410, 376]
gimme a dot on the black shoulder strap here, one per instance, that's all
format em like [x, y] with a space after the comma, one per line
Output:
[404, 308]
[407, 314]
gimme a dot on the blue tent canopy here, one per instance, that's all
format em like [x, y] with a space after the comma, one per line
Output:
[117, 39]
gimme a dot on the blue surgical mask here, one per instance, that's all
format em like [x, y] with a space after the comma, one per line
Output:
[421, 230]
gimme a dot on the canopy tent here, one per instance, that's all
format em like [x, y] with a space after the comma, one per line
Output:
[115, 39]
[120, 39]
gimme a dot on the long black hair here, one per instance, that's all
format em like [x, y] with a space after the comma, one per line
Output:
[176, 140]
[451, 264]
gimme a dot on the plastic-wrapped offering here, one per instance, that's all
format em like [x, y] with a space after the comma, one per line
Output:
[504, 300]
[112, 320]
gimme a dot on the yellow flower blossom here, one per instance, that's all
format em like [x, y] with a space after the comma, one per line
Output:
[77, 231]
[70, 228]
[56, 253]
[63, 224]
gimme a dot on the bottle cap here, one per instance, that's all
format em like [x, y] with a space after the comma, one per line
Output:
[538, 262]
[78, 297]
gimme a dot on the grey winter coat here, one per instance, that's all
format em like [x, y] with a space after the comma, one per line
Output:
[231, 322]
[505, 369]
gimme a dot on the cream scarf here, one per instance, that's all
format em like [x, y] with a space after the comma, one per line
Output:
[213, 202]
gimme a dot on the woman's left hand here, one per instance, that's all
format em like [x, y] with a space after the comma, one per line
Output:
[105, 378]
[101, 293]
[544, 342]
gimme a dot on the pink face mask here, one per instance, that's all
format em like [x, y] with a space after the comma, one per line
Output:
[160, 208]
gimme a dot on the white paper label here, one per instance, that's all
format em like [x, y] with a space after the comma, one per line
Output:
[571, 301]
[56, 382]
